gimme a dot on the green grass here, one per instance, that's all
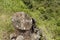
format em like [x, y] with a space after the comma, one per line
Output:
[50, 26]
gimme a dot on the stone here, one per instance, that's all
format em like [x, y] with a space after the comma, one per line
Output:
[35, 36]
[25, 27]
[20, 37]
[22, 21]
[13, 36]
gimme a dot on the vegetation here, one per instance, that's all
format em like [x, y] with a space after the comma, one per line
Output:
[45, 12]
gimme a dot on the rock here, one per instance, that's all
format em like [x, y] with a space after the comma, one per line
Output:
[13, 36]
[20, 37]
[25, 27]
[35, 36]
[22, 21]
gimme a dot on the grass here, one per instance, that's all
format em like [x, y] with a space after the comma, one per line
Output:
[9, 7]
